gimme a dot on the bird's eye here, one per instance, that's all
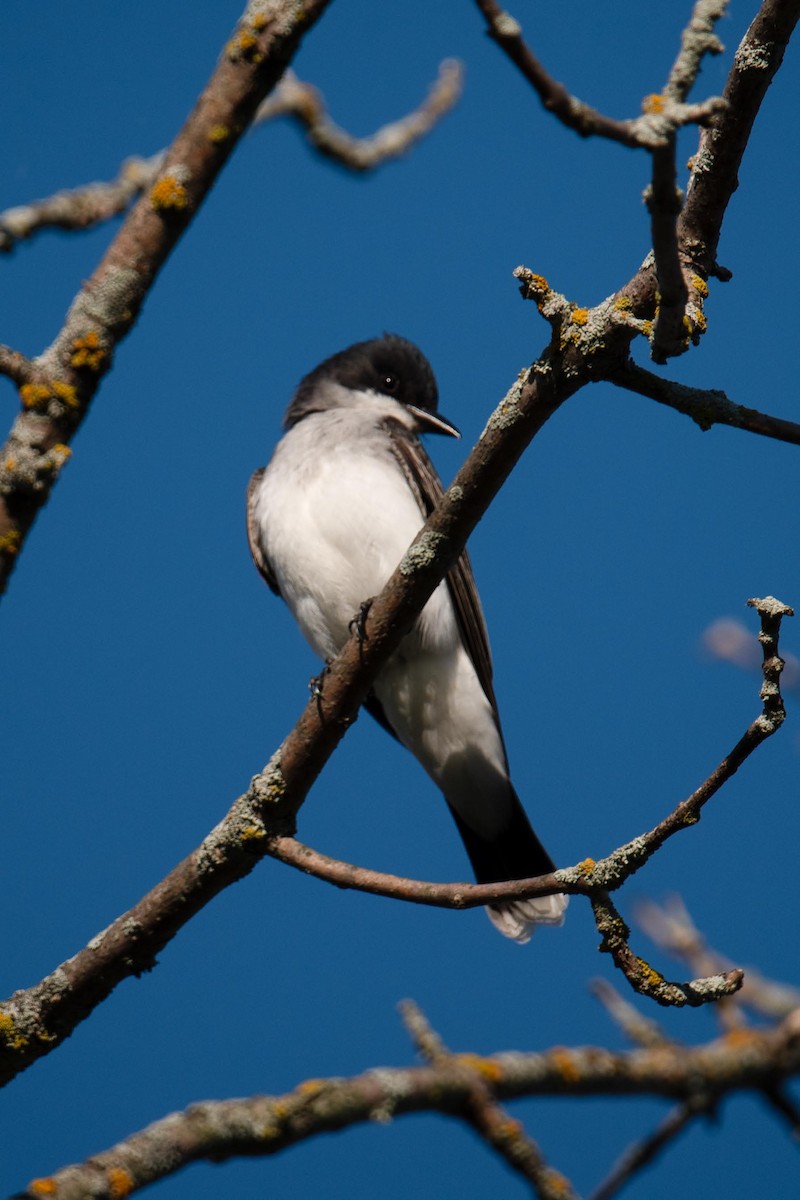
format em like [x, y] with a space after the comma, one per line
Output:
[391, 383]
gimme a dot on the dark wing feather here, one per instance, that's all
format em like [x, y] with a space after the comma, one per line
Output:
[259, 558]
[427, 486]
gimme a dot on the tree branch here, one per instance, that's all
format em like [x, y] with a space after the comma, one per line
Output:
[305, 103]
[498, 1129]
[216, 1131]
[706, 406]
[94, 203]
[106, 308]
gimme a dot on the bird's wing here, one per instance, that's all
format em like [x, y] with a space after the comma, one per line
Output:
[427, 487]
[259, 557]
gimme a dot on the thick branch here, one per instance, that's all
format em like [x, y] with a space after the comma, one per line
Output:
[722, 145]
[265, 1125]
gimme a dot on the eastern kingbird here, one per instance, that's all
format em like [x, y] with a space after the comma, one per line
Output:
[348, 488]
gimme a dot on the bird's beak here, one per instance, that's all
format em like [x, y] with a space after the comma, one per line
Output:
[432, 422]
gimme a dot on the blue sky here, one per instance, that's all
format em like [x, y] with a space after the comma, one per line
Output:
[148, 672]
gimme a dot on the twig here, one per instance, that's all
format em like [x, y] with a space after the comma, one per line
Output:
[498, 1129]
[672, 329]
[81, 207]
[643, 978]
[643, 1152]
[672, 929]
[644, 132]
[303, 102]
[642, 1031]
[781, 1103]
[16, 366]
[705, 406]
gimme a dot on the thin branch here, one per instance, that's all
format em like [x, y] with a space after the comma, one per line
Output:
[305, 103]
[706, 406]
[106, 308]
[81, 207]
[672, 929]
[648, 131]
[94, 203]
[261, 1126]
[16, 366]
[498, 1129]
[664, 198]
[782, 1103]
[640, 1030]
[645, 979]
[641, 1153]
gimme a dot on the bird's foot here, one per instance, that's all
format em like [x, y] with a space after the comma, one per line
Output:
[317, 682]
[358, 625]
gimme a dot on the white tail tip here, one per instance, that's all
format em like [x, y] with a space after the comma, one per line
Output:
[517, 919]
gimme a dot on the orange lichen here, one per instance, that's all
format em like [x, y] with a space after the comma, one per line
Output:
[168, 193]
[88, 352]
[219, 133]
[650, 975]
[587, 866]
[10, 542]
[34, 394]
[655, 103]
[8, 1034]
[120, 1183]
[579, 316]
[65, 392]
[699, 285]
[484, 1066]
[310, 1087]
[244, 44]
[43, 1187]
[622, 303]
[742, 1037]
[565, 1064]
[253, 833]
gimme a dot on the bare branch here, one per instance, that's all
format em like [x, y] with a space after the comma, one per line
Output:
[641, 1153]
[662, 116]
[498, 1129]
[83, 207]
[705, 406]
[16, 366]
[643, 978]
[79, 208]
[265, 1125]
[303, 102]
[715, 168]
[642, 1031]
[106, 308]
[671, 927]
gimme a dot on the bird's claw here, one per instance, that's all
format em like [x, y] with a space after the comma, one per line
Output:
[358, 625]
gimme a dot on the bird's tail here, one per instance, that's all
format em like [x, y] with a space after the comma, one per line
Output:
[512, 851]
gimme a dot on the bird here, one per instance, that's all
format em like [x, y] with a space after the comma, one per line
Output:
[347, 489]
